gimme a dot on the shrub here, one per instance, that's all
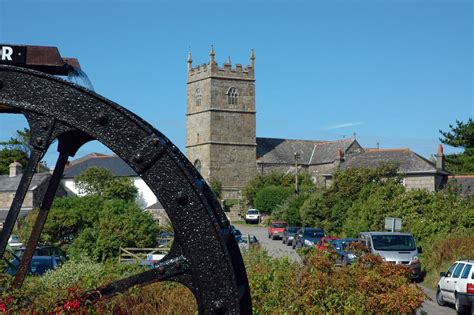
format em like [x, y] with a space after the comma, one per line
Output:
[269, 197]
[319, 287]
[440, 252]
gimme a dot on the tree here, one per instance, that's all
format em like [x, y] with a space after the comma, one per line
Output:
[100, 222]
[461, 135]
[94, 226]
[275, 178]
[101, 182]
[8, 156]
[216, 187]
[20, 142]
[269, 197]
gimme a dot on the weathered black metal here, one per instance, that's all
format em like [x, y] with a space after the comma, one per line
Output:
[42, 58]
[66, 150]
[204, 256]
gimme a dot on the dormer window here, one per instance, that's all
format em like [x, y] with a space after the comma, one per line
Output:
[197, 97]
[232, 96]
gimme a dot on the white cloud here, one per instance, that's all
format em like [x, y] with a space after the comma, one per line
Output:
[339, 126]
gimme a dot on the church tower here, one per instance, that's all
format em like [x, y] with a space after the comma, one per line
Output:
[220, 122]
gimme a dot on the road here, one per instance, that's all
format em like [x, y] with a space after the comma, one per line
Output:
[277, 249]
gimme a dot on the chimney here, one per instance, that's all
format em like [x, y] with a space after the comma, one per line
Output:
[440, 158]
[15, 169]
[339, 157]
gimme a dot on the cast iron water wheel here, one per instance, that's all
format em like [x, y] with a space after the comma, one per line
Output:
[204, 256]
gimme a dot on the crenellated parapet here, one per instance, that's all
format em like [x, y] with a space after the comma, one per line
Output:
[212, 69]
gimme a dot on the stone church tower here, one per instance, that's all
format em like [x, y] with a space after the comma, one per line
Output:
[220, 122]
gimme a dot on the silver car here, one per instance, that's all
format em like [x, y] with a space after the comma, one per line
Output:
[395, 247]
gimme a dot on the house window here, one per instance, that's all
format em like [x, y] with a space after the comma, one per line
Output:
[197, 165]
[232, 96]
[197, 97]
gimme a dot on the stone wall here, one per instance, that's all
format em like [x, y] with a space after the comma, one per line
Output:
[6, 199]
[425, 181]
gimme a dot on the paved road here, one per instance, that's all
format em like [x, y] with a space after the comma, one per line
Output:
[277, 249]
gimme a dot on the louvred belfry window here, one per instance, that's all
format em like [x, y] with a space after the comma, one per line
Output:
[232, 96]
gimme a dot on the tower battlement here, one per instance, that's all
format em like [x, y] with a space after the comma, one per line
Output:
[212, 69]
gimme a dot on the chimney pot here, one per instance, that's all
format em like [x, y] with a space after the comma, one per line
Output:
[440, 159]
[15, 169]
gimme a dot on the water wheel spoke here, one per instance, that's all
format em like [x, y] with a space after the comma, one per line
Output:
[21, 192]
[40, 219]
[164, 270]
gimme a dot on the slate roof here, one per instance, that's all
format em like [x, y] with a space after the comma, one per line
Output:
[465, 183]
[155, 206]
[8, 183]
[281, 151]
[408, 160]
[4, 213]
[111, 162]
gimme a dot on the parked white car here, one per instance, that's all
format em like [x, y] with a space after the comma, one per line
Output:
[14, 241]
[252, 216]
[457, 286]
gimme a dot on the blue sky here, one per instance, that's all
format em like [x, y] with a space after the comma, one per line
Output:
[392, 71]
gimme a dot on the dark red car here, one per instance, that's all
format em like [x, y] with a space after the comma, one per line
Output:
[325, 242]
[276, 229]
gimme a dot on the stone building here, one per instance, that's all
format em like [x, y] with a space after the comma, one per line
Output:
[9, 184]
[220, 120]
[222, 144]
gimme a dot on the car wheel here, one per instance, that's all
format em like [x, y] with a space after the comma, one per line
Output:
[273, 237]
[283, 240]
[439, 298]
[293, 245]
[460, 309]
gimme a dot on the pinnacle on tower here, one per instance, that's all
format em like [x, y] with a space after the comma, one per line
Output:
[252, 58]
[211, 53]
[190, 60]
[212, 63]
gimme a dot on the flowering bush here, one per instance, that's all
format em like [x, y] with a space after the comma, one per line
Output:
[318, 286]
[314, 286]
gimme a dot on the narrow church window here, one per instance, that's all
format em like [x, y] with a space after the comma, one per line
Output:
[197, 97]
[232, 96]
[197, 165]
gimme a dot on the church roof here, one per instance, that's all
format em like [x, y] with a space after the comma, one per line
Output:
[281, 151]
[111, 162]
[409, 161]
[8, 183]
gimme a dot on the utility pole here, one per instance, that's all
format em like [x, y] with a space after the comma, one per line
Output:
[297, 189]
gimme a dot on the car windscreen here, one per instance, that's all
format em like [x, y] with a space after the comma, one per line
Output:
[279, 225]
[292, 229]
[313, 233]
[393, 242]
[252, 212]
[345, 243]
[41, 266]
[246, 239]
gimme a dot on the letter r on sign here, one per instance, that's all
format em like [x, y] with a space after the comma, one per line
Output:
[7, 53]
